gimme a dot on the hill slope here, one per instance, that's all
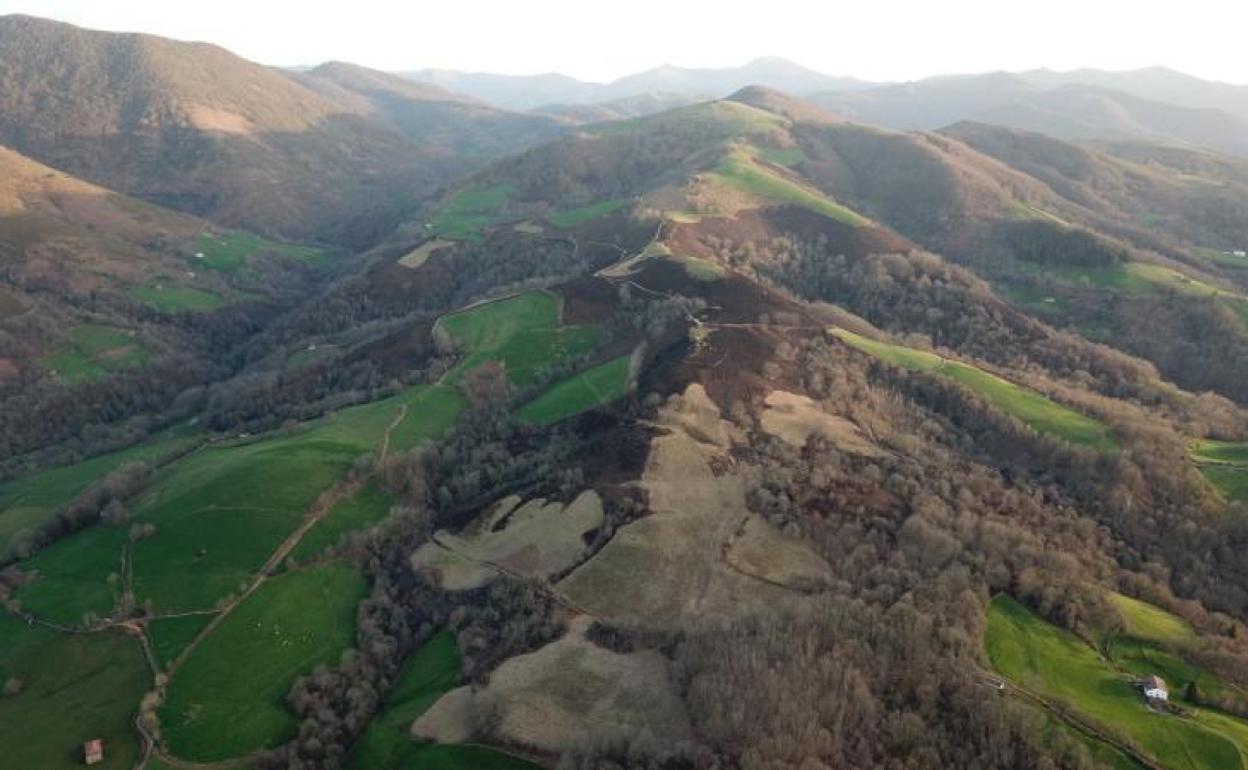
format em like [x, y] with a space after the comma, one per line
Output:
[111, 306]
[195, 128]
[679, 428]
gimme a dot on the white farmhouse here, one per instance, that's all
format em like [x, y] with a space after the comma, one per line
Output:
[1155, 689]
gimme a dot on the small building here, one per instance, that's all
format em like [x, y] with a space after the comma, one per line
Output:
[1240, 253]
[93, 752]
[1155, 688]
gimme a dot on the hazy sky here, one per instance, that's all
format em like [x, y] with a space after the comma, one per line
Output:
[876, 39]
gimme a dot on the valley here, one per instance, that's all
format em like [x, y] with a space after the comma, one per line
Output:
[351, 421]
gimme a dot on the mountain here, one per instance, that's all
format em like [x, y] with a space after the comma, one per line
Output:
[513, 92]
[773, 72]
[454, 129]
[528, 92]
[193, 127]
[1157, 84]
[740, 434]
[1076, 111]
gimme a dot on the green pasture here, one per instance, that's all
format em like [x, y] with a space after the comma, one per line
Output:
[91, 352]
[467, 213]
[579, 216]
[75, 688]
[228, 698]
[361, 510]
[1060, 667]
[598, 385]
[1037, 411]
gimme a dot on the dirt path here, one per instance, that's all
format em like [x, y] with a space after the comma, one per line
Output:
[385, 439]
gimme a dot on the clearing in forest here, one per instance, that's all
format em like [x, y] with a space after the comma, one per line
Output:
[467, 213]
[227, 252]
[1225, 465]
[1038, 412]
[92, 351]
[174, 298]
[522, 332]
[593, 387]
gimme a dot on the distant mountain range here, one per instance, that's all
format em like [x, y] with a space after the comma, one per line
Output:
[527, 92]
[1059, 106]
[1154, 104]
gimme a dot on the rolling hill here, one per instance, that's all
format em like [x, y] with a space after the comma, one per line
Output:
[334, 155]
[738, 434]
[112, 305]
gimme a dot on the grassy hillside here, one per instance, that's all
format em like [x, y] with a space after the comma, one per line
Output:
[1037, 411]
[1056, 665]
[601, 384]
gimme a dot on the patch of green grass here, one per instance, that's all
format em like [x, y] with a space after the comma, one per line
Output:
[361, 510]
[897, 355]
[740, 170]
[1136, 278]
[75, 688]
[227, 699]
[1225, 465]
[579, 216]
[521, 332]
[228, 251]
[1222, 258]
[1231, 483]
[218, 513]
[1148, 621]
[386, 744]
[1101, 752]
[221, 512]
[782, 156]
[1221, 452]
[169, 636]
[29, 501]
[1038, 412]
[468, 212]
[601, 384]
[1059, 666]
[701, 269]
[172, 298]
[92, 352]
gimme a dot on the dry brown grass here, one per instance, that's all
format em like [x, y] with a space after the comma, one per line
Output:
[421, 253]
[669, 567]
[795, 418]
[567, 691]
[533, 539]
